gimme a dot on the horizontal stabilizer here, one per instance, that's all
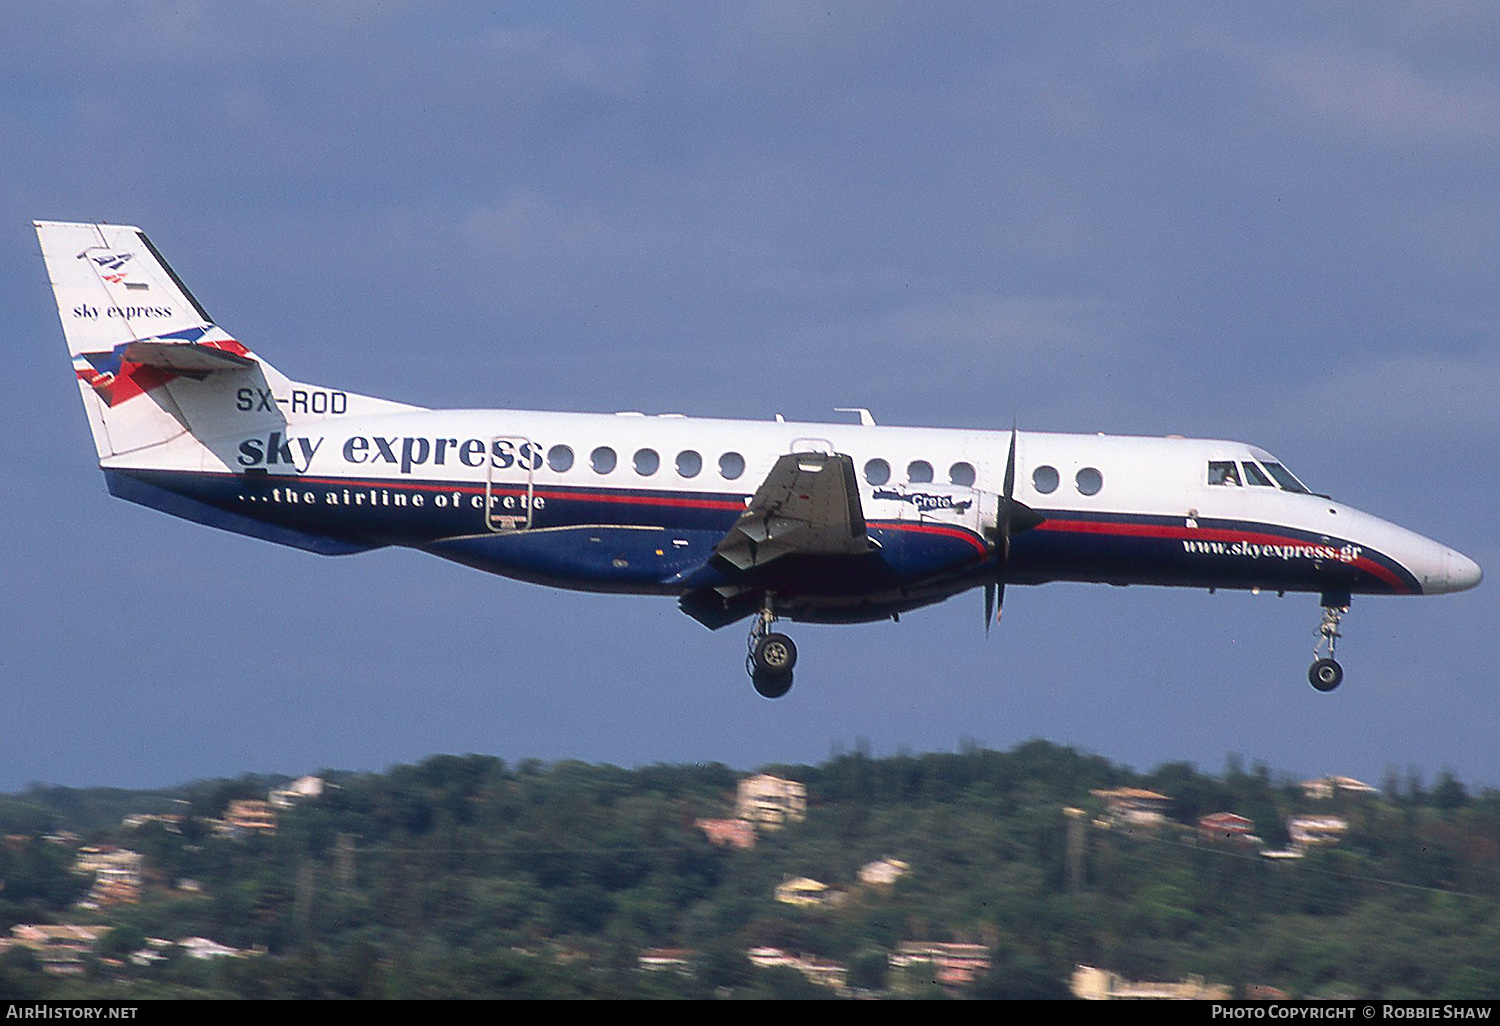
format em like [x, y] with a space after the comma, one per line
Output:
[185, 357]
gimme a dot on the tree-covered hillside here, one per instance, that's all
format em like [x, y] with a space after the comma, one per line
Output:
[466, 876]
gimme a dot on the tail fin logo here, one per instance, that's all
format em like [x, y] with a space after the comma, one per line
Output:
[109, 266]
[110, 261]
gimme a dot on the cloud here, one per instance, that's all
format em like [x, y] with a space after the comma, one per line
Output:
[1012, 325]
[524, 224]
[548, 59]
[1400, 397]
[974, 354]
[1385, 95]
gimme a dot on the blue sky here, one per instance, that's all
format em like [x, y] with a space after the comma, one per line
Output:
[1273, 224]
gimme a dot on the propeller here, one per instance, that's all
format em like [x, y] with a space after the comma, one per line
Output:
[1011, 517]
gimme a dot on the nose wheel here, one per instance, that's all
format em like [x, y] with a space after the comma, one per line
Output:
[772, 657]
[1325, 673]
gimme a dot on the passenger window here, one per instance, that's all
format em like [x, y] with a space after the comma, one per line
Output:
[731, 465]
[1045, 479]
[1089, 481]
[961, 474]
[919, 472]
[602, 459]
[1222, 473]
[1255, 476]
[646, 462]
[877, 471]
[689, 463]
[560, 458]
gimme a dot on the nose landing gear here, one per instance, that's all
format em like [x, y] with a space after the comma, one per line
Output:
[772, 656]
[1325, 673]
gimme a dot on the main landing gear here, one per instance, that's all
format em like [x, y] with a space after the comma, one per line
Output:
[772, 656]
[1325, 673]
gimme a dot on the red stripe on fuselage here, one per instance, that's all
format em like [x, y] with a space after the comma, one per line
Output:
[643, 500]
[546, 493]
[938, 529]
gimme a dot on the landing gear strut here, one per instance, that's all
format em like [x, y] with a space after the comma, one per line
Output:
[772, 656]
[1325, 673]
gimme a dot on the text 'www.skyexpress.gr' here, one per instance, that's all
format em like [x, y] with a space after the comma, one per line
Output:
[1344, 553]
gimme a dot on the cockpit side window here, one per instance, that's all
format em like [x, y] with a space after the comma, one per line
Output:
[1223, 472]
[1255, 476]
[1284, 478]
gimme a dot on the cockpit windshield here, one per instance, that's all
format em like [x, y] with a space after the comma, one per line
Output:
[1284, 477]
[1255, 476]
[1227, 473]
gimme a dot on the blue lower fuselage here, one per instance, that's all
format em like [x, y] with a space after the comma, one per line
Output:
[643, 541]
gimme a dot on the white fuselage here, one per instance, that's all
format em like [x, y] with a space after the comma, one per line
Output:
[509, 482]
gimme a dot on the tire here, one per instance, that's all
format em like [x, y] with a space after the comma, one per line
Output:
[775, 656]
[1325, 674]
[772, 685]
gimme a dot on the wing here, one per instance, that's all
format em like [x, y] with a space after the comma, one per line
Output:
[804, 527]
[808, 505]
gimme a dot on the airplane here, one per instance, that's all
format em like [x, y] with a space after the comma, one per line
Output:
[820, 522]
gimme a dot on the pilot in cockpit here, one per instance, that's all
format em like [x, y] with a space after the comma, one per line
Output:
[1223, 473]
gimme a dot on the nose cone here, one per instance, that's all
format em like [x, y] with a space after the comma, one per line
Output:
[1437, 568]
[1460, 573]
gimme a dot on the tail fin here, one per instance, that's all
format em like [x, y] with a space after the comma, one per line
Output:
[132, 328]
[151, 364]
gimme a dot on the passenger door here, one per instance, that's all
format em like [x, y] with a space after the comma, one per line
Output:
[509, 490]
